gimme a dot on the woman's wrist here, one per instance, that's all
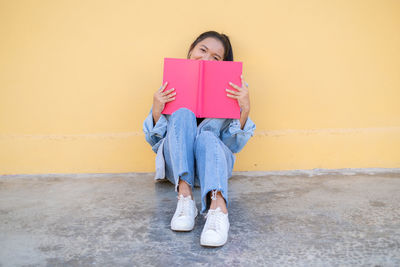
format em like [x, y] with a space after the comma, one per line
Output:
[245, 110]
[156, 115]
[244, 114]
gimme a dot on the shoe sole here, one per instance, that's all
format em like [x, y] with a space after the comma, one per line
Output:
[213, 245]
[182, 230]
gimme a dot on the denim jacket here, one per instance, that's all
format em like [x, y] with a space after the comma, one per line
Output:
[228, 130]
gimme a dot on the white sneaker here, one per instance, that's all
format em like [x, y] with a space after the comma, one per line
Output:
[215, 231]
[185, 213]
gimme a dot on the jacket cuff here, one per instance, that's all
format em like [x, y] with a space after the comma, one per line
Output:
[248, 129]
[154, 132]
[159, 130]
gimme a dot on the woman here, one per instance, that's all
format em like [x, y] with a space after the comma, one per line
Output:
[194, 151]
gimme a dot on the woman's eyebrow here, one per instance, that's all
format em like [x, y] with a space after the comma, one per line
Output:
[215, 53]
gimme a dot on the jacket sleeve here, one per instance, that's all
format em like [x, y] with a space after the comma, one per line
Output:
[234, 137]
[155, 133]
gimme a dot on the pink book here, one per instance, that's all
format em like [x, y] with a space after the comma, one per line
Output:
[200, 86]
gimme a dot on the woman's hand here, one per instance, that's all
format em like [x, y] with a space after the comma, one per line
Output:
[160, 98]
[242, 96]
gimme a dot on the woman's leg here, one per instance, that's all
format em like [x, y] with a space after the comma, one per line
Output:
[214, 162]
[179, 159]
[179, 149]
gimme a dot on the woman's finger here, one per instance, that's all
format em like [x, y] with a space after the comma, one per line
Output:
[166, 97]
[235, 86]
[163, 87]
[172, 94]
[232, 92]
[244, 83]
[167, 92]
[170, 99]
[232, 96]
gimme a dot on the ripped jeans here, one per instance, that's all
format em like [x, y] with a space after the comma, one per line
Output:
[189, 156]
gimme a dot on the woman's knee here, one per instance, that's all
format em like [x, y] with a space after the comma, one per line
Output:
[182, 121]
[184, 113]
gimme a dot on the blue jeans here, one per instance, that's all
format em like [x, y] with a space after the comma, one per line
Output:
[189, 156]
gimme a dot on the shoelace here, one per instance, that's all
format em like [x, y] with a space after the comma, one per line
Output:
[184, 207]
[214, 218]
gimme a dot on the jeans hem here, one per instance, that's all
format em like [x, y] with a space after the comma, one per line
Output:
[205, 203]
[183, 179]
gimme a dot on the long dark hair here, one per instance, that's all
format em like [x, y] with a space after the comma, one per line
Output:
[224, 39]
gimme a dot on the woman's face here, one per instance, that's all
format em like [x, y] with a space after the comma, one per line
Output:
[208, 49]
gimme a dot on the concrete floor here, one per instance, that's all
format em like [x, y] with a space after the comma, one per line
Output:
[300, 218]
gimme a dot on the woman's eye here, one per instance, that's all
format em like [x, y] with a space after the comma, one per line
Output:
[202, 49]
[216, 58]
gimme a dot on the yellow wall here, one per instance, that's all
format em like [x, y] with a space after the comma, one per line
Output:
[77, 79]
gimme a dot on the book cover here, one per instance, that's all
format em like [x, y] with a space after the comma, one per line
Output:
[200, 86]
